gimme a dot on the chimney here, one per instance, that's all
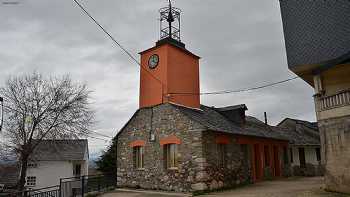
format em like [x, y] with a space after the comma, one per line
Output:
[265, 116]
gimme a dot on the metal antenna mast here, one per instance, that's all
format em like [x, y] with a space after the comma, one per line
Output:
[171, 16]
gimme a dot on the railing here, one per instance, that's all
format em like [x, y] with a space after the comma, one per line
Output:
[78, 186]
[42, 192]
[337, 100]
[71, 187]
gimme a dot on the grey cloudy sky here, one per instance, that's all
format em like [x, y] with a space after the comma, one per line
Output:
[240, 42]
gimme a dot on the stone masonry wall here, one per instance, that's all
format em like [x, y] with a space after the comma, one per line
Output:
[335, 142]
[166, 120]
[236, 170]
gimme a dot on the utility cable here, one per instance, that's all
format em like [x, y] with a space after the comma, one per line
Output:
[238, 90]
[175, 93]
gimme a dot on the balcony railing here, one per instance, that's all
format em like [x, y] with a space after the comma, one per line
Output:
[333, 101]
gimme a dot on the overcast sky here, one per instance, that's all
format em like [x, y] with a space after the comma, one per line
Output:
[240, 42]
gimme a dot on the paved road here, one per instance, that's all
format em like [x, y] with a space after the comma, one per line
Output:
[291, 187]
[142, 194]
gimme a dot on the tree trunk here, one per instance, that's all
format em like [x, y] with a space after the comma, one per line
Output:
[22, 179]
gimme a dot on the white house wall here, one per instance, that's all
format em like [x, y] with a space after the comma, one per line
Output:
[310, 155]
[48, 173]
[85, 166]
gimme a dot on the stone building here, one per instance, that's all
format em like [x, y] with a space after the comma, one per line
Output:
[318, 50]
[173, 147]
[304, 146]
[172, 142]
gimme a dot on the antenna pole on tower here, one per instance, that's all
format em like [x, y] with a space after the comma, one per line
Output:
[170, 18]
[171, 15]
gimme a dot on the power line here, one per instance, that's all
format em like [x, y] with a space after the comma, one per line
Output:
[238, 90]
[100, 134]
[116, 42]
[89, 136]
[177, 93]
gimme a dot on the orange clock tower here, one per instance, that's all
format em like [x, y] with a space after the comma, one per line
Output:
[169, 73]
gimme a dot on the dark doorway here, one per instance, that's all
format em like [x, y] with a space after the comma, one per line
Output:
[267, 156]
[276, 161]
[302, 157]
[318, 154]
[257, 161]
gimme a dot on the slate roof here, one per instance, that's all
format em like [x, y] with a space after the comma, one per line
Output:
[9, 174]
[61, 150]
[299, 132]
[213, 120]
[311, 34]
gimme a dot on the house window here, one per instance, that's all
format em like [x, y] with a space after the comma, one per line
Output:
[138, 152]
[221, 154]
[31, 180]
[76, 170]
[170, 155]
[291, 155]
[32, 165]
[318, 154]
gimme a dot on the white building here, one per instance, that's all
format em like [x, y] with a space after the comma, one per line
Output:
[304, 146]
[52, 160]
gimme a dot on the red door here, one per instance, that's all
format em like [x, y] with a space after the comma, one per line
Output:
[257, 161]
[276, 161]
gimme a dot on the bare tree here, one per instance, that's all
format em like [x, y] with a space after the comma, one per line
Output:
[38, 108]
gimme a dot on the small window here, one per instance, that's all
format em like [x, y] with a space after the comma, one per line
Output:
[31, 180]
[32, 165]
[76, 170]
[318, 154]
[291, 155]
[138, 152]
[170, 154]
[221, 155]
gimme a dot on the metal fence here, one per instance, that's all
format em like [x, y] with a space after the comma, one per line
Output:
[71, 187]
[42, 192]
[78, 186]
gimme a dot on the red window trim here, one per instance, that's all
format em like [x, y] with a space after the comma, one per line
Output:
[137, 143]
[222, 139]
[172, 139]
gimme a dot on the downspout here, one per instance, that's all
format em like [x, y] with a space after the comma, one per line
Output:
[116, 165]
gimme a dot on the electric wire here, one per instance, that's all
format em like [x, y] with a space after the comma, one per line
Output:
[175, 93]
[116, 42]
[238, 90]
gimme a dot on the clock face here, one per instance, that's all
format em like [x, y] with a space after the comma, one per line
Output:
[153, 61]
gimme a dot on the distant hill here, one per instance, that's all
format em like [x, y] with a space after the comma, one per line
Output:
[93, 157]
